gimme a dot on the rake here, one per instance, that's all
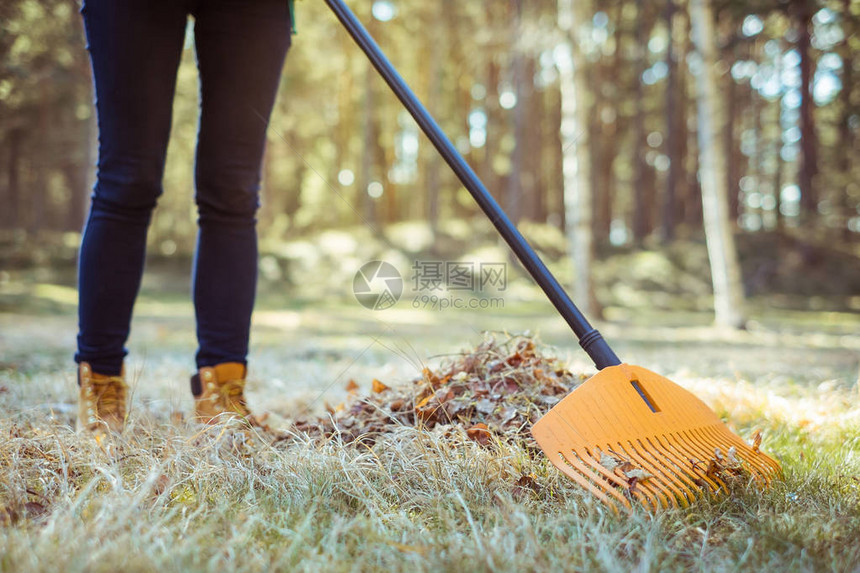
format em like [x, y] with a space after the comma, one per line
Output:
[627, 435]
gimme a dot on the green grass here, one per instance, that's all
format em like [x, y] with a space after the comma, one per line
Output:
[170, 497]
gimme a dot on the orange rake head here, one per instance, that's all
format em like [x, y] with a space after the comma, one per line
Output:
[630, 435]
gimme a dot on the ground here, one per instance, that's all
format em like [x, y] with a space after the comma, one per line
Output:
[168, 495]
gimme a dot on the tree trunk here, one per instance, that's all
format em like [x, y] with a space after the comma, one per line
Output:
[367, 204]
[729, 143]
[429, 152]
[693, 191]
[846, 137]
[557, 212]
[576, 160]
[808, 145]
[778, 220]
[15, 139]
[725, 269]
[641, 208]
[513, 190]
[533, 181]
[667, 227]
[608, 149]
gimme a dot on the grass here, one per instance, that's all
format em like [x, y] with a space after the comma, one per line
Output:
[169, 496]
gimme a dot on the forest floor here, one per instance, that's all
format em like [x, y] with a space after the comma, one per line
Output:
[170, 496]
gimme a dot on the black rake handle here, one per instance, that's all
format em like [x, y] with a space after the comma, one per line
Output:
[589, 338]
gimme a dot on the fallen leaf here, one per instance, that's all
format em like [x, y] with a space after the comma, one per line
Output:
[479, 433]
[378, 386]
[756, 441]
[8, 516]
[430, 377]
[34, 509]
[443, 395]
[509, 414]
[526, 484]
[638, 474]
[455, 406]
[610, 462]
[485, 406]
[506, 386]
[351, 386]
[161, 484]
[714, 469]
[732, 456]
[419, 549]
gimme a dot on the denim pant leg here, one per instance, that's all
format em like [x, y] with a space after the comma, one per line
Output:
[135, 47]
[241, 47]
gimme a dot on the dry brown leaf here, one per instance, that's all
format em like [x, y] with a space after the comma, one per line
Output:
[351, 386]
[732, 457]
[161, 484]
[34, 510]
[451, 394]
[485, 406]
[509, 414]
[430, 377]
[609, 462]
[756, 441]
[526, 484]
[714, 469]
[479, 433]
[419, 549]
[378, 386]
[637, 473]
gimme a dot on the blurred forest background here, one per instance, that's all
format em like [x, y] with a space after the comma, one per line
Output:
[585, 118]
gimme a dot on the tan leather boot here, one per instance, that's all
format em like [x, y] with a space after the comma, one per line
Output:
[101, 401]
[219, 393]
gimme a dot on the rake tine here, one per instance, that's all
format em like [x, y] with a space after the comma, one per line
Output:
[656, 483]
[697, 455]
[591, 461]
[678, 465]
[662, 472]
[763, 462]
[756, 461]
[570, 468]
[683, 457]
[657, 426]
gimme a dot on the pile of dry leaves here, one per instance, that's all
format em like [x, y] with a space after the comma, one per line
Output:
[496, 391]
[500, 388]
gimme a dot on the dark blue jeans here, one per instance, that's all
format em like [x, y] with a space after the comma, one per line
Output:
[135, 48]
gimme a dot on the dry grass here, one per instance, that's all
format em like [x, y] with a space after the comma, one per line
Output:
[173, 497]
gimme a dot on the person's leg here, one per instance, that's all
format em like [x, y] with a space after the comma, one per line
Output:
[241, 48]
[134, 46]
